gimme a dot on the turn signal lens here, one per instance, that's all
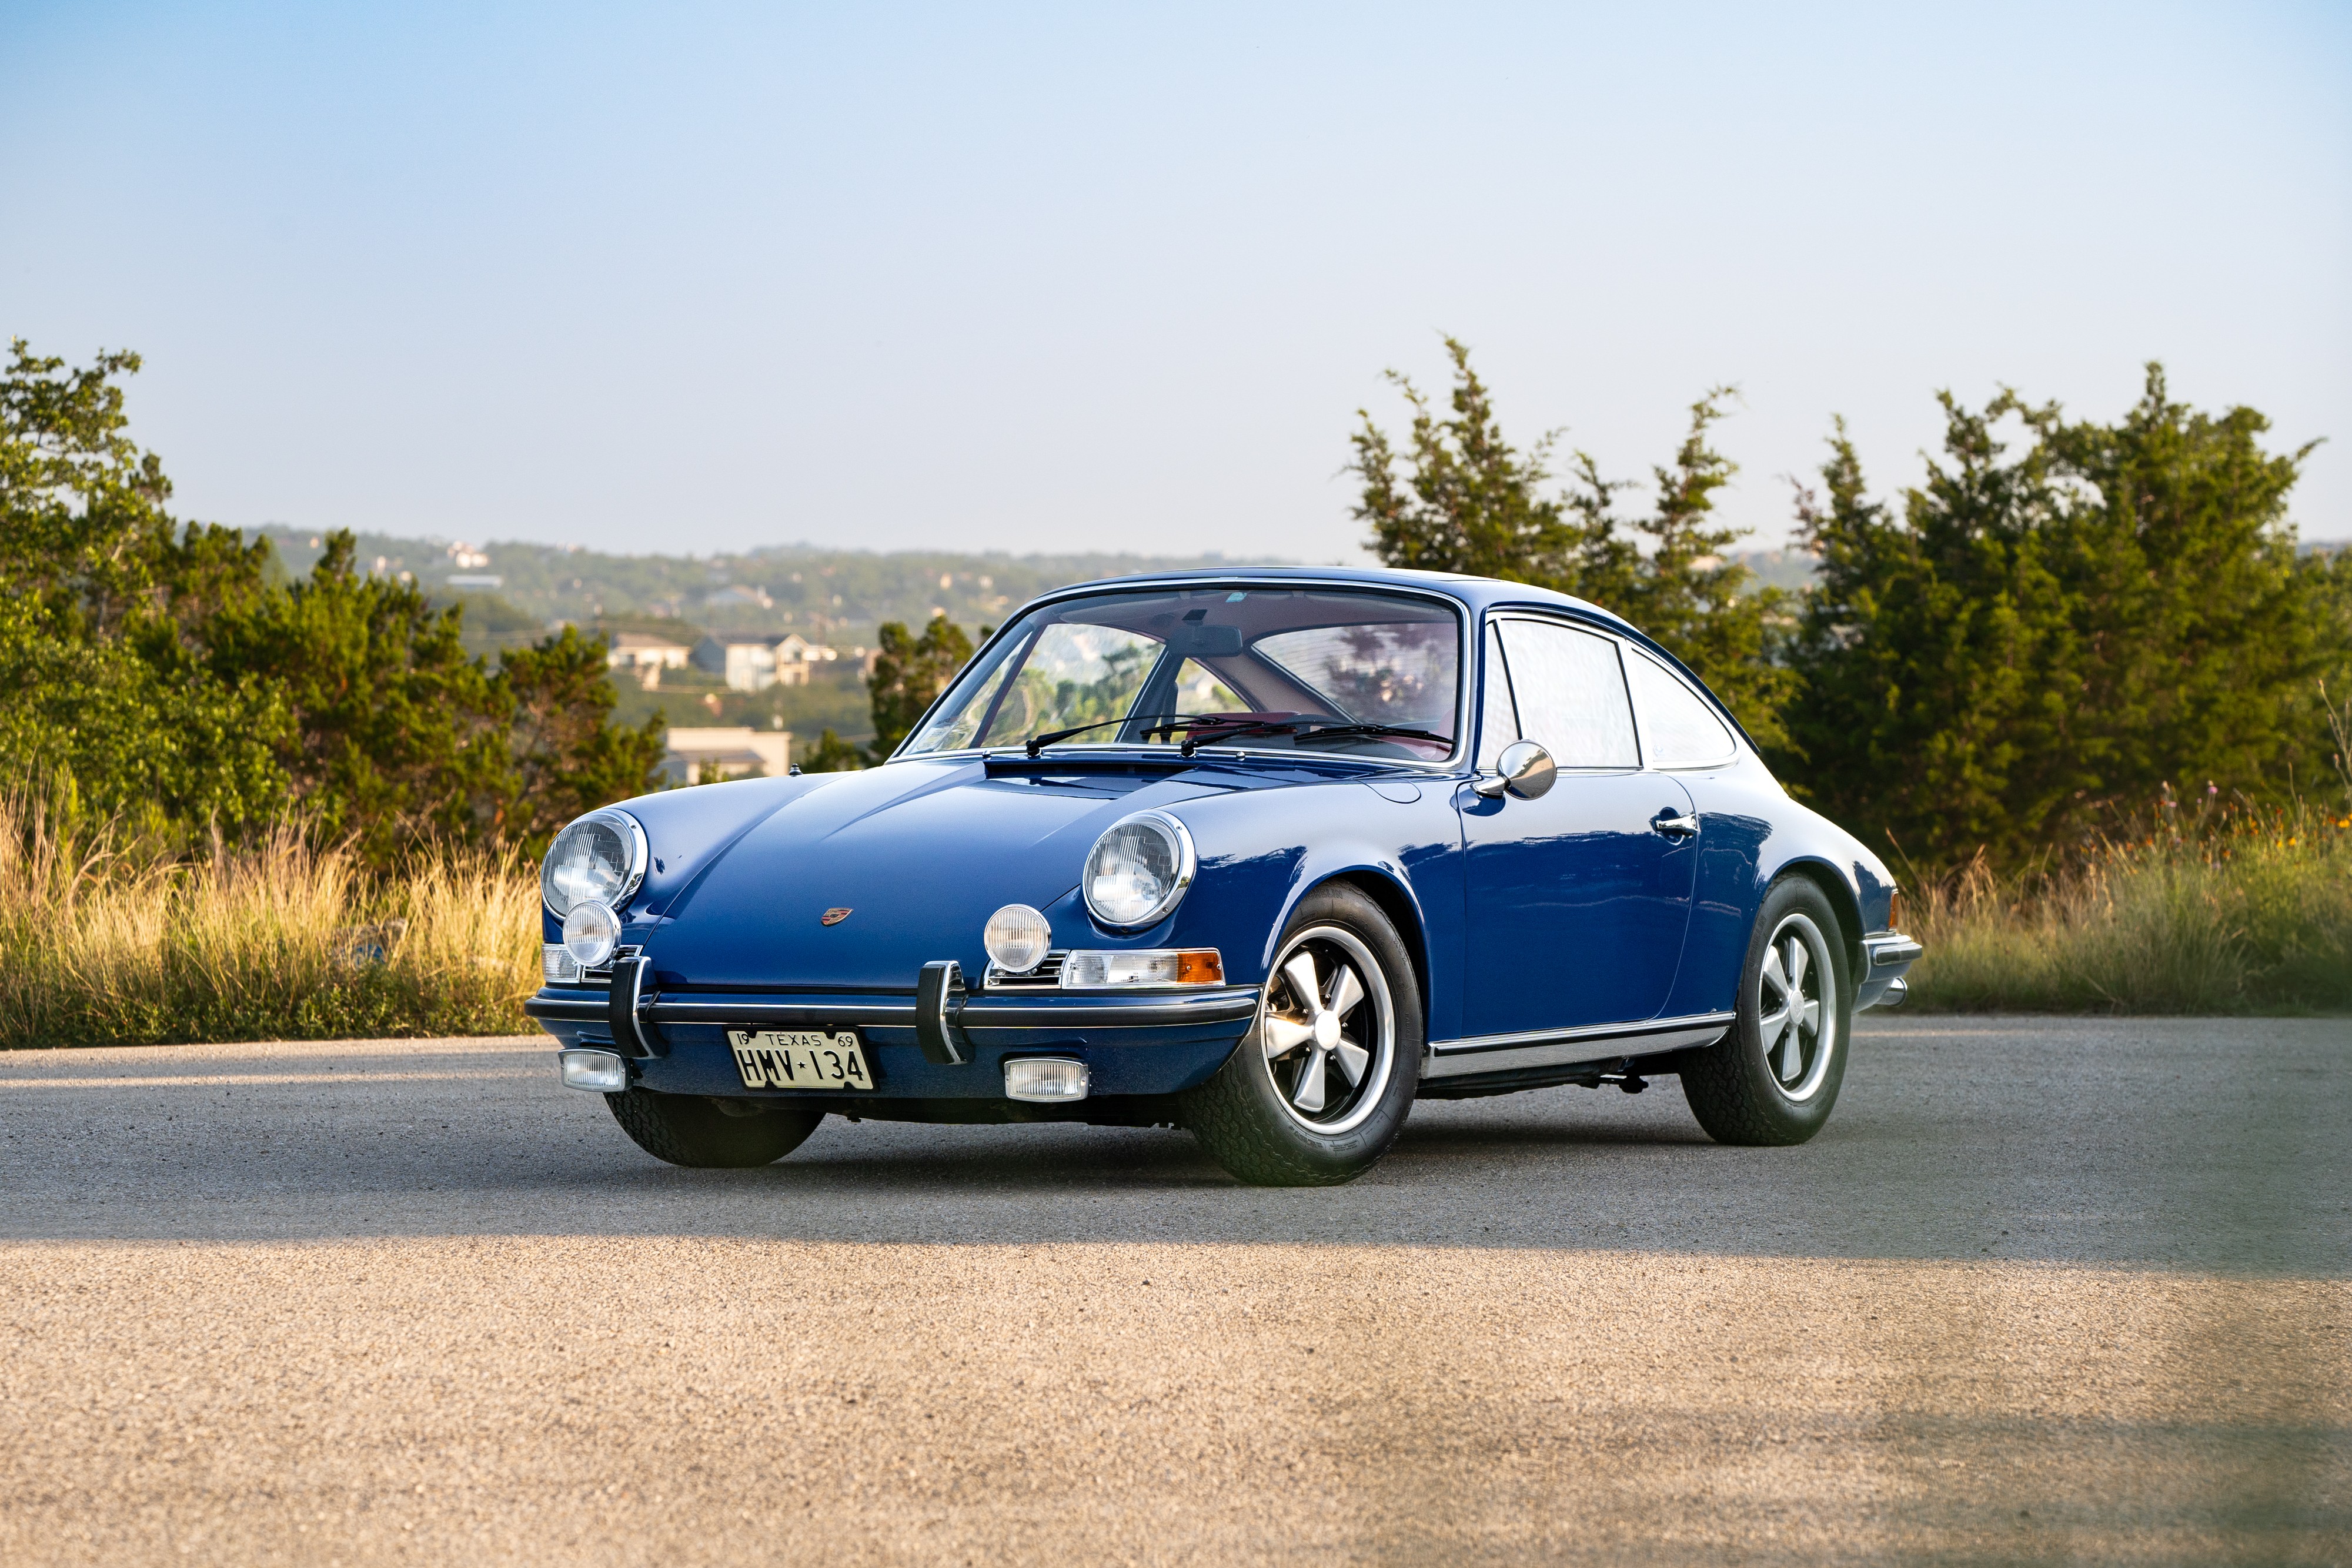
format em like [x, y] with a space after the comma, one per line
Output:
[1894, 909]
[1101, 971]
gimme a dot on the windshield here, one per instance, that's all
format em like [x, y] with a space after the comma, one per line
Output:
[1316, 670]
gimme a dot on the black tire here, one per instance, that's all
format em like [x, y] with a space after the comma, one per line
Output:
[693, 1130]
[1252, 1124]
[1757, 1086]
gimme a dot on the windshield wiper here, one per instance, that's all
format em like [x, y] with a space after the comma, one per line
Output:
[1208, 729]
[1383, 731]
[1194, 728]
[1038, 743]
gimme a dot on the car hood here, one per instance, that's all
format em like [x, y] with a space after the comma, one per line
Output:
[919, 854]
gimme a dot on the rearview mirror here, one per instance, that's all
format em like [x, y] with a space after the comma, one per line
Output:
[1205, 642]
[1524, 768]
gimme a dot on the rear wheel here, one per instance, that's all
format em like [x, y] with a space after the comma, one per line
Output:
[699, 1131]
[1775, 1076]
[1322, 1085]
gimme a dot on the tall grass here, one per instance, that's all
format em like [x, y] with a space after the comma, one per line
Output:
[2223, 909]
[112, 942]
[105, 941]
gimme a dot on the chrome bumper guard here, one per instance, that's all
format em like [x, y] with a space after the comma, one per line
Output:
[1886, 959]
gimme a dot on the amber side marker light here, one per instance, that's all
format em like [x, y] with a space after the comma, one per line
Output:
[1894, 910]
[1199, 967]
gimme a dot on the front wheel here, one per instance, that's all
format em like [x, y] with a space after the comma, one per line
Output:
[1320, 1087]
[1773, 1078]
[722, 1134]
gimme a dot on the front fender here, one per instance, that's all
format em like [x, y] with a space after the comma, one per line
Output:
[1263, 853]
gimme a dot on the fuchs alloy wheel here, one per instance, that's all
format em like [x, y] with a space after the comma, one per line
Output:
[709, 1134]
[1322, 1085]
[1774, 1076]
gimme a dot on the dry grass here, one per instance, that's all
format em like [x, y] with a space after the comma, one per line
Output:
[2232, 910]
[105, 943]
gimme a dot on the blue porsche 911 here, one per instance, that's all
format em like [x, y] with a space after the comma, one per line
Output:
[1264, 855]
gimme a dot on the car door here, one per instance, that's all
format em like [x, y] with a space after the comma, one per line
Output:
[1578, 900]
[1683, 733]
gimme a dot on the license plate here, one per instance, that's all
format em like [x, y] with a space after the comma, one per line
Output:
[792, 1059]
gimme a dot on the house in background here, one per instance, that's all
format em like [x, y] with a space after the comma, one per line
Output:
[706, 756]
[744, 660]
[644, 657]
[754, 661]
[795, 656]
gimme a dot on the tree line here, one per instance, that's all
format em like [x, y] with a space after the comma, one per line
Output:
[2065, 622]
[2052, 632]
[168, 676]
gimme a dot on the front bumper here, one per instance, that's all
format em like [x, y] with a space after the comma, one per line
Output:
[1153, 1042]
[1886, 959]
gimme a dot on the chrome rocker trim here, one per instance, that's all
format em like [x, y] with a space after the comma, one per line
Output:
[1557, 1047]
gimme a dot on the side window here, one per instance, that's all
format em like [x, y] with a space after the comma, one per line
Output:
[1499, 722]
[1571, 695]
[1198, 691]
[1678, 730]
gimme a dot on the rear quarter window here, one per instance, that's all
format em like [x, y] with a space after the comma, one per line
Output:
[1679, 729]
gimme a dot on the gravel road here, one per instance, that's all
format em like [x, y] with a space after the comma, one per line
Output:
[2043, 1290]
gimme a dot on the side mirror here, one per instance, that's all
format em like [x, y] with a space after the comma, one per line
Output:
[1524, 768]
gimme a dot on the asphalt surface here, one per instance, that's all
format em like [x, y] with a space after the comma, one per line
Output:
[2043, 1290]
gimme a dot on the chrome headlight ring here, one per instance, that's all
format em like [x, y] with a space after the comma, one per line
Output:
[1120, 856]
[636, 855]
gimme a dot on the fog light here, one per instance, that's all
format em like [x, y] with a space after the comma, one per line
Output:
[589, 934]
[1047, 1078]
[600, 1071]
[1016, 937]
[1103, 970]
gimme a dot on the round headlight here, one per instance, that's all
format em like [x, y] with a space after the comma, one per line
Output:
[600, 858]
[1139, 869]
[589, 934]
[1016, 937]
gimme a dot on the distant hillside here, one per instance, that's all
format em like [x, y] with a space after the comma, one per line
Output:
[1788, 569]
[837, 594]
[513, 593]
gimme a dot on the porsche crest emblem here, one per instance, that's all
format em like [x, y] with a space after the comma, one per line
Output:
[835, 916]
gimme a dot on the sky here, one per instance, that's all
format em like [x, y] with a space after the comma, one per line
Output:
[701, 278]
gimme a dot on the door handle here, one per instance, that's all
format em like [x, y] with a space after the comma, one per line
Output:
[1672, 827]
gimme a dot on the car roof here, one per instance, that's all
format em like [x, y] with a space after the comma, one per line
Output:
[1478, 592]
